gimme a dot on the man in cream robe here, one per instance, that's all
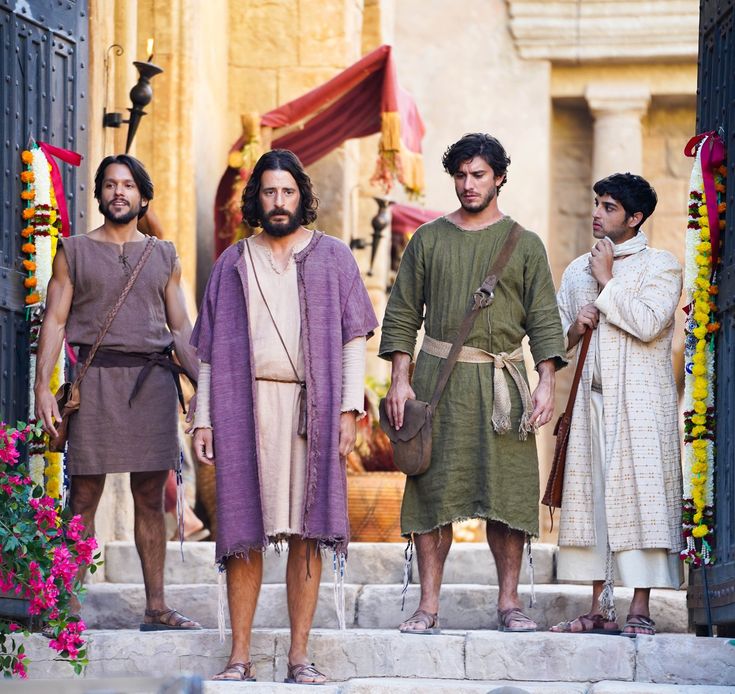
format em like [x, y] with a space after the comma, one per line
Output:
[622, 484]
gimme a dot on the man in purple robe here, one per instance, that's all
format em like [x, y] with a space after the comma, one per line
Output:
[281, 338]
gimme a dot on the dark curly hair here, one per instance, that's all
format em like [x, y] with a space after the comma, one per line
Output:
[275, 160]
[477, 145]
[633, 192]
[137, 171]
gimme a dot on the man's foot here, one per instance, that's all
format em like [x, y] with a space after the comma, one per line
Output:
[421, 622]
[638, 624]
[236, 672]
[587, 624]
[162, 620]
[514, 620]
[304, 673]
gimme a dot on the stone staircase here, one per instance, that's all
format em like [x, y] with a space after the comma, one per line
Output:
[371, 656]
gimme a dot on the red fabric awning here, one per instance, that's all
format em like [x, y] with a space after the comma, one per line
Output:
[405, 219]
[362, 100]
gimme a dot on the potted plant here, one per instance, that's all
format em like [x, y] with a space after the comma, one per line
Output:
[42, 549]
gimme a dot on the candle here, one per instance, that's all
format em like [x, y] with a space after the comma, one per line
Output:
[149, 50]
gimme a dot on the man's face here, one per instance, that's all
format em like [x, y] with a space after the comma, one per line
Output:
[120, 198]
[279, 201]
[476, 185]
[609, 219]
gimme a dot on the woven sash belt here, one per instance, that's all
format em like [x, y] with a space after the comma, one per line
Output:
[501, 419]
[105, 358]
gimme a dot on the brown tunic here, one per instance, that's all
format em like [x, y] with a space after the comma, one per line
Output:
[108, 434]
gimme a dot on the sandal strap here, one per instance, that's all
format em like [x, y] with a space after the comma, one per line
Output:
[165, 617]
[424, 617]
[301, 669]
[513, 614]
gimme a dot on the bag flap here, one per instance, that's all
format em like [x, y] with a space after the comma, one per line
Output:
[415, 414]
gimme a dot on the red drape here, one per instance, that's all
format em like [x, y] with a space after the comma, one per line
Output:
[405, 219]
[347, 106]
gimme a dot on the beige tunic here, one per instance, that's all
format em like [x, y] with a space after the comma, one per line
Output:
[642, 482]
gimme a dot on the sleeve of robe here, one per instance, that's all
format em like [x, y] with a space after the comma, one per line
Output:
[405, 310]
[645, 314]
[543, 325]
[358, 316]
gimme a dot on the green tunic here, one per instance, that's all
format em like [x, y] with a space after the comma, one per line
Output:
[474, 473]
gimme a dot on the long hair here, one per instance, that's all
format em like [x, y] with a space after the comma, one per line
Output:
[477, 145]
[279, 160]
[137, 171]
[633, 192]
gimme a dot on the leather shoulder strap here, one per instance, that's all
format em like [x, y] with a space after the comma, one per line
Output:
[152, 241]
[482, 298]
[578, 372]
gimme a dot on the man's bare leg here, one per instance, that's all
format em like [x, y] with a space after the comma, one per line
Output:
[431, 553]
[640, 605]
[244, 578]
[150, 541]
[84, 497]
[302, 588]
[507, 548]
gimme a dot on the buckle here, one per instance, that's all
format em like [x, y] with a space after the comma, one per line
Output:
[482, 298]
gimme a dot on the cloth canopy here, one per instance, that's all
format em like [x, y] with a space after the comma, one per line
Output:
[405, 219]
[363, 99]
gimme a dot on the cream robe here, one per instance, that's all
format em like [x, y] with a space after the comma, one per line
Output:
[643, 483]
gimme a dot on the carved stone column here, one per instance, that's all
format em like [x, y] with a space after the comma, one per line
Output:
[618, 141]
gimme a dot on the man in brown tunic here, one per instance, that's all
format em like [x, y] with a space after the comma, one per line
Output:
[124, 423]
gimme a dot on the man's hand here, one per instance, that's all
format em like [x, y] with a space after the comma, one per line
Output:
[190, 412]
[347, 432]
[543, 395]
[587, 319]
[204, 446]
[47, 410]
[601, 261]
[400, 389]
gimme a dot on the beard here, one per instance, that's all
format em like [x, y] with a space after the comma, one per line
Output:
[477, 207]
[279, 230]
[122, 217]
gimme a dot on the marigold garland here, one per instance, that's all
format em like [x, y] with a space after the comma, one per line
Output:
[40, 235]
[699, 413]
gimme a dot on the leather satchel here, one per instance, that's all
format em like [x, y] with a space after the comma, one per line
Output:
[68, 397]
[412, 442]
[555, 484]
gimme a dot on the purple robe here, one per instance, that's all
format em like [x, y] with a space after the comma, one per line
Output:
[335, 308]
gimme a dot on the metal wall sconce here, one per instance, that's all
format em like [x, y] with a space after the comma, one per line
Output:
[140, 95]
[379, 222]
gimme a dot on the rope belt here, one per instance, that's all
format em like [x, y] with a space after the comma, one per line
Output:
[501, 394]
[106, 358]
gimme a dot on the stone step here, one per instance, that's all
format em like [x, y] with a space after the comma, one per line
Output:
[371, 685]
[368, 562]
[479, 656]
[120, 605]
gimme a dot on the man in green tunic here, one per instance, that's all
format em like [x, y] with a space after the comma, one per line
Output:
[481, 466]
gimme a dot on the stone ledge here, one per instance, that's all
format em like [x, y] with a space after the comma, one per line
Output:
[568, 31]
[368, 563]
[474, 658]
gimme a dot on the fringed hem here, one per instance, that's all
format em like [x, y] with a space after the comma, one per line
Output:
[324, 545]
[460, 519]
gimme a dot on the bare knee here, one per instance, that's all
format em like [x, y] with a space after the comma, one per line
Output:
[85, 493]
[148, 490]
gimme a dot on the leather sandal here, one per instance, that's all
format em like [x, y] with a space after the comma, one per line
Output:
[589, 624]
[422, 617]
[304, 673]
[514, 614]
[236, 672]
[164, 620]
[645, 626]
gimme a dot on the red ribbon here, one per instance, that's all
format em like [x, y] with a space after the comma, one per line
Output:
[75, 159]
[713, 156]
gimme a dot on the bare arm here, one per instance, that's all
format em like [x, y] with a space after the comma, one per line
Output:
[400, 388]
[179, 323]
[58, 304]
